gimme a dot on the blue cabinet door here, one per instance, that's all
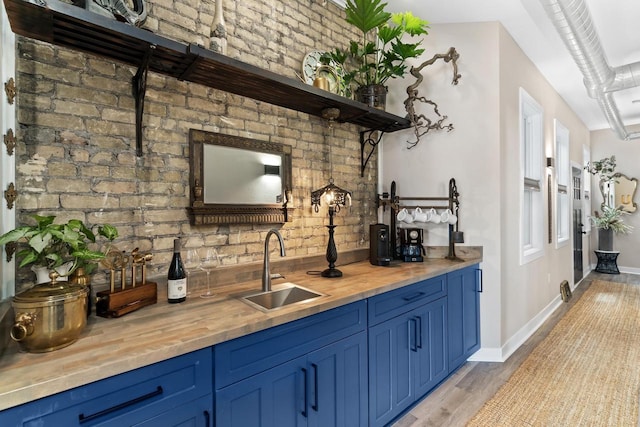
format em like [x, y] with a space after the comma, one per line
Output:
[273, 398]
[325, 388]
[431, 365]
[463, 315]
[337, 385]
[391, 387]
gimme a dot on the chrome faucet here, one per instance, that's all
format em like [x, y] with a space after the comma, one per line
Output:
[266, 274]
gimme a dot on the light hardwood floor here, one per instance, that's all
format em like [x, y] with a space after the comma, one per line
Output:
[459, 398]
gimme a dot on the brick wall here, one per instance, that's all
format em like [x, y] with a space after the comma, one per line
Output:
[76, 157]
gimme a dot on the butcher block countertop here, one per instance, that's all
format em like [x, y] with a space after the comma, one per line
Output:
[159, 332]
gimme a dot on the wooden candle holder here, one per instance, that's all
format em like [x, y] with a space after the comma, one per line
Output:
[118, 302]
[123, 301]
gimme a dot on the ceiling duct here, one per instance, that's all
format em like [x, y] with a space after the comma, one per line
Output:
[573, 22]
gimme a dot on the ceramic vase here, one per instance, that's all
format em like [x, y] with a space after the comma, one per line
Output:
[605, 239]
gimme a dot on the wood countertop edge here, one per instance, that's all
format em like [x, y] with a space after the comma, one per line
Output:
[25, 377]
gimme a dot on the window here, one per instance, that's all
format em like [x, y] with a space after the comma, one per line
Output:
[562, 181]
[531, 213]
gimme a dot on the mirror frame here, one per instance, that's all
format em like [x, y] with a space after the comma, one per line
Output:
[605, 196]
[201, 213]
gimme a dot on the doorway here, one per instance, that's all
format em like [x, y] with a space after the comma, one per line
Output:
[578, 226]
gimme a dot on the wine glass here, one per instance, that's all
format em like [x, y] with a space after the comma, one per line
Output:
[191, 263]
[208, 262]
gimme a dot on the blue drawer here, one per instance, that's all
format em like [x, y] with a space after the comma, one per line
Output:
[245, 356]
[124, 399]
[391, 304]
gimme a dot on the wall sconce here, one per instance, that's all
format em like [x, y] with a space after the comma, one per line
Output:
[271, 170]
[335, 197]
[550, 165]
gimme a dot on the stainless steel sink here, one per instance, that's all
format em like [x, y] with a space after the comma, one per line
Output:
[282, 295]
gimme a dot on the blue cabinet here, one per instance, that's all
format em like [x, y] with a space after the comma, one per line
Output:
[463, 293]
[171, 387]
[296, 374]
[407, 358]
[419, 335]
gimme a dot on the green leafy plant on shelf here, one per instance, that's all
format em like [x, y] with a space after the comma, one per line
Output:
[380, 53]
[52, 245]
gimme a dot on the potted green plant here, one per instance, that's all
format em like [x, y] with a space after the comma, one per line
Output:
[51, 246]
[381, 52]
[608, 222]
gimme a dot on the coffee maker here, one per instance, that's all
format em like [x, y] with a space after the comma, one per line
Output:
[379, 249]
[411, 249]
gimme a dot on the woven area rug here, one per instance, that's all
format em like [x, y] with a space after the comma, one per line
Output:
[586, 372]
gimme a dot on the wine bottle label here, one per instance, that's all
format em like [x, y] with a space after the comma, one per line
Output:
[177, 289]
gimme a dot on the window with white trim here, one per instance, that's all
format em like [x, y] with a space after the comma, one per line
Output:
[563, 175]
[531, 173]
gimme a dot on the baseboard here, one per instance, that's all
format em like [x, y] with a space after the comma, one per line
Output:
[629, 270]
[503, 353]
[487, 355]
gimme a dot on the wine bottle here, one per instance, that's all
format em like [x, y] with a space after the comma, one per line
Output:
[177, 278]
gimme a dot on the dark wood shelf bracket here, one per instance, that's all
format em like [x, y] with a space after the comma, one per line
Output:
[371, 141]
[139, 88]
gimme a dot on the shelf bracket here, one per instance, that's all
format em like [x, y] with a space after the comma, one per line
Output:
[139, 83]
[370, 140]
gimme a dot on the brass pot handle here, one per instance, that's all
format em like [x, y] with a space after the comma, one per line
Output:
[23, 326]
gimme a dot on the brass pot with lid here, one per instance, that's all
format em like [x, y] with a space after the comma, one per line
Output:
[49, 316]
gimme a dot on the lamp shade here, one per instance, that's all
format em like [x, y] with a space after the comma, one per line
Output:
[333, 196]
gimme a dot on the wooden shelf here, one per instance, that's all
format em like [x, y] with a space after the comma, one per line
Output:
[72, 27]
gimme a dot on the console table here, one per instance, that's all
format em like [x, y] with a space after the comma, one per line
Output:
[607, 262]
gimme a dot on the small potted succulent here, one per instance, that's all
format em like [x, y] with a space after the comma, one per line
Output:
[381, 52]
[61, 247]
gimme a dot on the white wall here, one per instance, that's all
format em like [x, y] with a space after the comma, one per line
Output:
[605, 143]
[482, 153]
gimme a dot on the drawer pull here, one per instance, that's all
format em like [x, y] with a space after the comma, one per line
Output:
[414, 297]
[83, 419]
[207, 419]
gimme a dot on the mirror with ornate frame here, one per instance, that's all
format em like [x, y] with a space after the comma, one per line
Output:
[620, 192]
[237, 180]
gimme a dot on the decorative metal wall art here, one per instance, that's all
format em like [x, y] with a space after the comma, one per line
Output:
[420, 122]
[10, 249]
[10, 90]
[10, 195]
[10, 141]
